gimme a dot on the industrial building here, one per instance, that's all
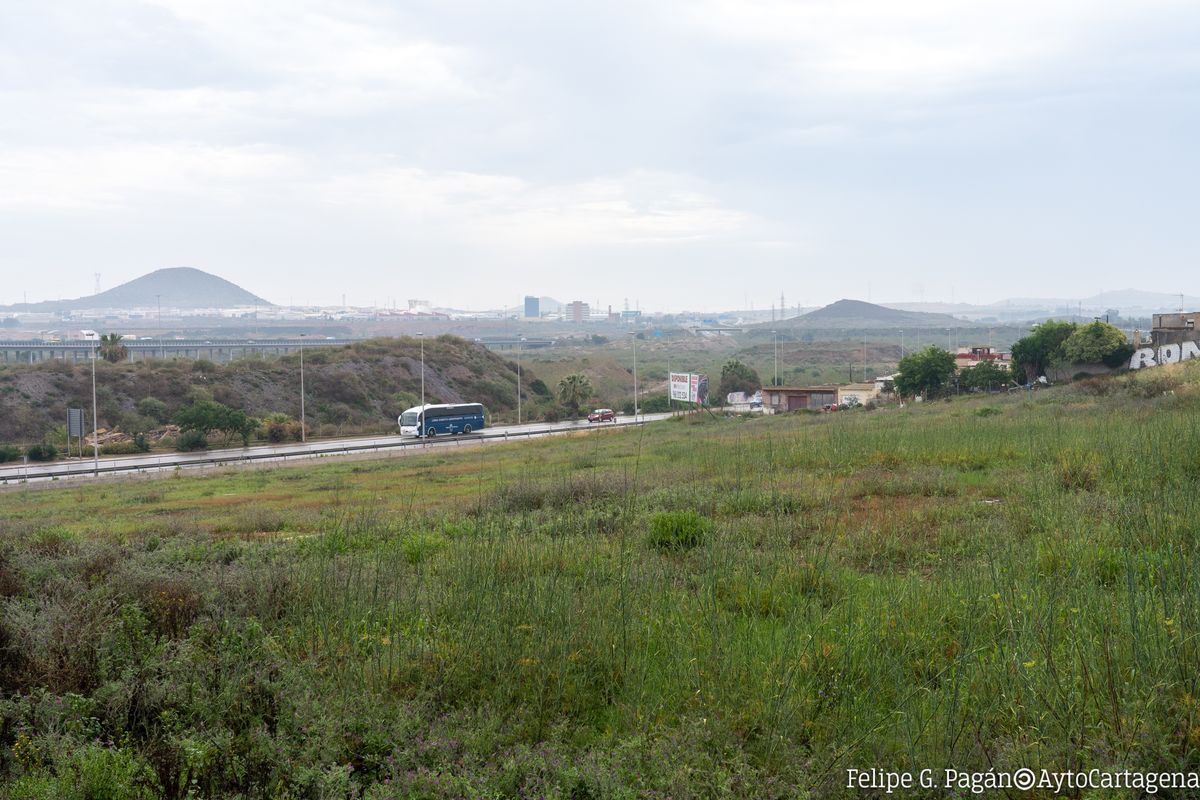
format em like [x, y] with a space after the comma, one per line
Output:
[1174, 328]
[578, 311]
[817, 398]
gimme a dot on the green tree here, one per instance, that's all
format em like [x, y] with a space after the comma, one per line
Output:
[1042, 348]
[985, 376]
[204, 416]
[573, 391]
[927, 372]
[238, 423]
[207, 416]
[737, 377]
[111, 349]
[1097, 342]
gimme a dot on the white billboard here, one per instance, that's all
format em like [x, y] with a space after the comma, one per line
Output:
[679, 386]
[688, 387]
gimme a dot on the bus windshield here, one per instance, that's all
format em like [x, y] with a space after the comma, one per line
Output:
[409, 418]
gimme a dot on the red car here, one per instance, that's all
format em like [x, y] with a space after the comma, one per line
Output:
[602, 415]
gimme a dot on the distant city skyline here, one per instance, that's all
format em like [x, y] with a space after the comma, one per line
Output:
[688, 155]
[1128, 300]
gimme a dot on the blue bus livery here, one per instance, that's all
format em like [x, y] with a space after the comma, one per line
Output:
[443, 419]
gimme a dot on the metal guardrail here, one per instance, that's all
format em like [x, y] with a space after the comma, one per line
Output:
[14, 474]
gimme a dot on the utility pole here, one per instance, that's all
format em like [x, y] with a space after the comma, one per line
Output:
[519, 343]
[669, 406]
[775, 380]
[421, 339]
[95, 423]
[635, 382]
[303, 423]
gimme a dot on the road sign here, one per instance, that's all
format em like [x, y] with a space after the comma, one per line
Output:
[75, 422]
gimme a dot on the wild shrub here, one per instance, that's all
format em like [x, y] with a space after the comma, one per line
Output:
[108, 773]
[12, 581]
[9, 452]
[42, 452]
[1078, 471]
[153, 408]
[420, 547]
[279, 427]
[886, 459]
[54, 640]
[52, 542]
[759, 503]
[678, 530]
[569, 492]
[1099, 386]
[136, 445]
[987, 411]
[190, 441]
[172, 604]
[1152, 383]
[813, 580]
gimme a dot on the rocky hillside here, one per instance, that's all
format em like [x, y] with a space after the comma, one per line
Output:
[361, 387]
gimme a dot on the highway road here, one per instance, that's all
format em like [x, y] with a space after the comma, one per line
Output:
[109, 465]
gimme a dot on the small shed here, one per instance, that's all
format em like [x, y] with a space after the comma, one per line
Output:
[862, 393]
[797, 398]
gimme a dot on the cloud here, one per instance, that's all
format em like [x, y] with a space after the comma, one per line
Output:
[716, 136]
[638, 207]
[123, 178]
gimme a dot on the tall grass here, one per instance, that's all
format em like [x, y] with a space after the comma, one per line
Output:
[734, 608]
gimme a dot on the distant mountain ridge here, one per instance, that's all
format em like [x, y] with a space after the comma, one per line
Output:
[1124, 300]
[857, 314]
[173, 287]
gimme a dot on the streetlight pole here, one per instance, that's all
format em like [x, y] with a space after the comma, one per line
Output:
[670, 407]
[162, 351]
[520, 342]
[95, 422]
[902, 344]
[303, 423]
[635, 382]
[421, 339]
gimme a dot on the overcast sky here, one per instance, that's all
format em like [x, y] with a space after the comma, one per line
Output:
[690, 154]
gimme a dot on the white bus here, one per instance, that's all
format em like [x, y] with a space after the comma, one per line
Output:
[443, 418]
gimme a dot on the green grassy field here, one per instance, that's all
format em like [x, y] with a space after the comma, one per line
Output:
[701, 608]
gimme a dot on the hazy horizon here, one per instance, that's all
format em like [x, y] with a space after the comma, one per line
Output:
[685, 155]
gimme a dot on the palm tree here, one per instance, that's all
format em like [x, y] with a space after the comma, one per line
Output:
[573, 391]
[111, 349]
